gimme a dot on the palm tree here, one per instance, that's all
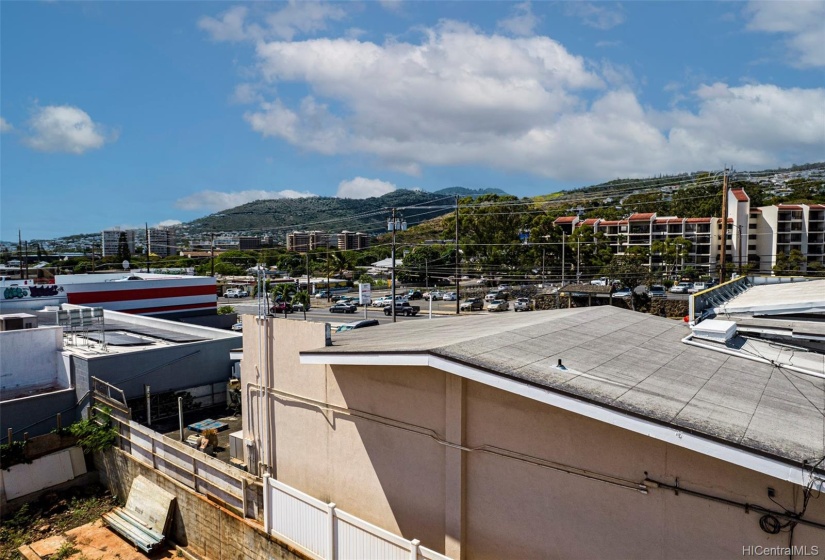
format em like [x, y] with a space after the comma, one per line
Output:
[302, 297]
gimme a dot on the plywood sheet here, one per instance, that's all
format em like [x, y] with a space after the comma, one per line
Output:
[150, 503]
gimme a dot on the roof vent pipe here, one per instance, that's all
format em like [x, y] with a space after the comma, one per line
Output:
[560, 365]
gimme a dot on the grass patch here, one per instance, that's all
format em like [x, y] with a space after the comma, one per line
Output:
[54, 513]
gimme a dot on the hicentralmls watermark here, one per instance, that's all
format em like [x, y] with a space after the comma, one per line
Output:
[800, 550]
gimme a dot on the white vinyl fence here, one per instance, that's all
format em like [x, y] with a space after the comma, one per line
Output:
[326, 533]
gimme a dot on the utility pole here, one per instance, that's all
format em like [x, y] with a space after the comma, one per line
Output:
[723, 256]
[562, 258]
[394, 224]
[578, 258]
[212, 247]
[26, 258]
[148, 249]
[542, 266]
[19, 260]
[307, 273]
[457, 276]
[739, 228]
[329, 292]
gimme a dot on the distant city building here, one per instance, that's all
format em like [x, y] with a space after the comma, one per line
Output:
[111, 240]
[162, 242]
[350, 241]
[303, 241]
[755, 235]
[249, 243]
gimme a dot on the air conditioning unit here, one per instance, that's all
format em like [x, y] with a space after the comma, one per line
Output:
[715, 330]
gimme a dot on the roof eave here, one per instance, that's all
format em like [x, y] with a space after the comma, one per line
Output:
[783, 469]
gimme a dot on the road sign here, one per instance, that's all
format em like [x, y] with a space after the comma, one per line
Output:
[365, 294]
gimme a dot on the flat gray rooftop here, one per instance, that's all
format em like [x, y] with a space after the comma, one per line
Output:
[794, 297]
[632, 362]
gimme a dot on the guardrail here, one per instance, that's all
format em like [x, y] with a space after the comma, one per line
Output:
[703, 301]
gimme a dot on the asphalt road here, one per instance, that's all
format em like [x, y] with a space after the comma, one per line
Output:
[319, 311]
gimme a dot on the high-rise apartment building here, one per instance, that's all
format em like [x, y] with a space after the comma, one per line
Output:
[755, 236]
[350, 240]
[303, 241]
[111, 240]
[162, 242]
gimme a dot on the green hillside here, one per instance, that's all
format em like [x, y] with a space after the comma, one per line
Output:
[277, 217]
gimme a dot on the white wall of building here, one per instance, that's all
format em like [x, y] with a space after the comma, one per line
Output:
[32, 358]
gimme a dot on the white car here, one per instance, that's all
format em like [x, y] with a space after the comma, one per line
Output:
[382, 301]
[450, 296]
[236, 293]
[681, 288]
[435, 295]
[523, 304]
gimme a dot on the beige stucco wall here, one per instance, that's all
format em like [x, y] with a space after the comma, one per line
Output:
[482, 505]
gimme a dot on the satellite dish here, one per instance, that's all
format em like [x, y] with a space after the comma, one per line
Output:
[125, 265]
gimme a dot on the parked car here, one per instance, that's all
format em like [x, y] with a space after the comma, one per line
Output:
[472, 304]
[498, 305]
[298, 306]
[342, 307]
[681, 288]
[414, 294]
[523, 304]
[698, 287]
[504, 288]
[281, 307]
[435, 295]
[382, 301]
[450, 296]
[236, 293]
[351, 300]
[237, 327]
[623, 293]
[491, 296]
[401, 299]
[357, 325]
[402, 309]
[322, 294]
[657, 291]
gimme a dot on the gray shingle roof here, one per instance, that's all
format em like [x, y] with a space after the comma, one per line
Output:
[631, 362]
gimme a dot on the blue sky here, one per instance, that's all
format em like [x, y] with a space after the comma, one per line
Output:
[116, 114]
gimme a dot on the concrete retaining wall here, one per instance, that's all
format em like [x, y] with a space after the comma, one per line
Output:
[201, 525]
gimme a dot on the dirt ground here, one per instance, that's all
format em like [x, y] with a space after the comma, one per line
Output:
[93, 541]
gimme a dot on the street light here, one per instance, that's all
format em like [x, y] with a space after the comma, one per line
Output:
[394, 224]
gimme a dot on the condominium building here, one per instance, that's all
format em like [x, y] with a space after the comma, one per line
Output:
[303, 241]
[755, 236]
[111, 240]
[761, 234]
[162, 241]
[350, 240]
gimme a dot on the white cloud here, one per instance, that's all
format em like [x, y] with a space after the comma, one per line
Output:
[229, 27]
[522, 23]
[245, 94]
[527, 105]
[303, 17]
[294, 18]
[214, 200]
[361, 187]
[592, 15]
[5, 126]
[65, 128]
[801, 21]
[168, 223]
[392, 5]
